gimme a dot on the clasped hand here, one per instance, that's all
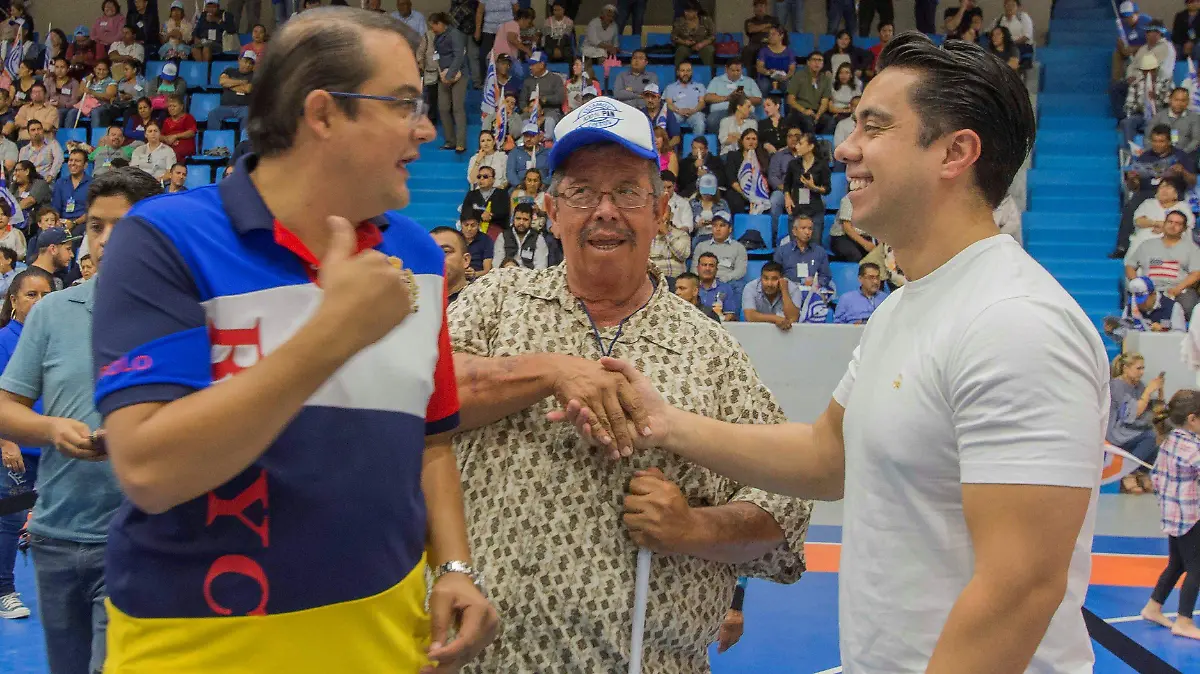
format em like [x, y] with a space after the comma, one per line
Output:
[619, 408]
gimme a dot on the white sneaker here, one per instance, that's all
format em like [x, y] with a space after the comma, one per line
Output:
[11, 607]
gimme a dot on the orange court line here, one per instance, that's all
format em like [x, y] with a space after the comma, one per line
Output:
[1107, 568]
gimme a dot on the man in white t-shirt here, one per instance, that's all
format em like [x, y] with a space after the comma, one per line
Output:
[965, 436]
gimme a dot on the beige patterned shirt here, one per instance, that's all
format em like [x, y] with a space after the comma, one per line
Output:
[544, 510]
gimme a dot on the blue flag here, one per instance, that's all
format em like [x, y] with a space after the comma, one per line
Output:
[754, 184]
[491, 89]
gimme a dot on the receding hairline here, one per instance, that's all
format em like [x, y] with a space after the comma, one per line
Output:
[309, 22]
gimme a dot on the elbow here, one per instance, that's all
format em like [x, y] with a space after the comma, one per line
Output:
[146, 490]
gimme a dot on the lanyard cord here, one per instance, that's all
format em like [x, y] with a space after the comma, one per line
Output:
[607, 351]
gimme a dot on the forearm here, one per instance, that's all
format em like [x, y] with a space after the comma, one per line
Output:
[490, 389]
[995, 628]
[444, 505]
[162, 453]
[21, 424]
[734, 533]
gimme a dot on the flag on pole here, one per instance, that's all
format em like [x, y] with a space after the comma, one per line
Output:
[500, 126]
[491, 89]
[754, 184]
[49, 63]
[13, 60]
[1192, 84]
[1118, 463]
[660, 120]
[535, 105]
[1121, 33]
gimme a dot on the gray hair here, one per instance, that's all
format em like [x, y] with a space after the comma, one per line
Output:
[317, 49]
[656, 183]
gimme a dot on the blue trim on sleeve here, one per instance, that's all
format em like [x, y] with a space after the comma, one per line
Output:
[182, 358]
[442, 425]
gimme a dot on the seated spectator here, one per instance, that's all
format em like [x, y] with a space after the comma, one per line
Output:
[660, 116]
[531, 191]
[694, 34]
[775, 63]
[845, 89]
[1130, 424]
[846, 242]
[99, 102]
[136, 121]
[175, 48]
[846, 126]
[38, 108]
[26, 77]
[458, 260]
[810, 92]
[44, 218]
[600, 41]
[1147, 94]
[681, 207]
[714, 292]
[210, 30]
[107, 27]
[731, 255]
[885, 258]
[508, 81]
[520, 242]
[732, 127]
[700, 162]
[55, 253]
[706, 206]
[8, 114]
[177, 181]
[155, 157]
[886, 32]
[968, 32]
[526, 156]
[112, 146]
[1018, 23]
[258, 38]
[773, 127]
[857, 306]
[670, 249]
[685, 99]
[804, 261]
[558, 38]
[579, 84]
[777, 171]
[44, 152]
[1183, 123]
[69, 197]
[489, 156]
[8, 263]
[771, 298]
[8, 154]
[83, 53]
[177, 21]
[742, 168]
[123, 53]
[87, 269]
[480, 247]
[17, 18]
[1162, 49]
[757, 29]
[236, 86]
[1000, 44]
[10, 237]
[667, 159]
[131, 88]
[628, 85]
[1171, 261]
[723, 87]
[1161, 160]
[1149, 218]
[31, 191]
[551, 90]
[807, 181]
[955, 18]
[451, 54]
[167, 83]
[687, 286]
[1150, 310]
[63, 91]
[179, 129]
[844, 51]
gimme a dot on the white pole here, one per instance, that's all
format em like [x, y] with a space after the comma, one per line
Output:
[641, 595]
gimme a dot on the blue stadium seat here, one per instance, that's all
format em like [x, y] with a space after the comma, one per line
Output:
[657, 39]
[866, 42]
[783, 228]
[762, 223]
[802, 44]
[94, 136]
[825, 42]
[830, 218]
[628, 43]
[78, 134]
[837, 189]
[560, 68]
[937, 38]
[210, 140]
[202, 104]
[845, 276]
[665, 73]
[214, 79]
[754, 269]
[701, 74]
[198, 175]
[1181, 71]
[154, 69]
[195, 73]
[612, 77]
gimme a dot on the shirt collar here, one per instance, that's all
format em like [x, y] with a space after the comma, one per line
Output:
[85, 295]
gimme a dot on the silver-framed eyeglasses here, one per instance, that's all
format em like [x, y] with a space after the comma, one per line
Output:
[625, 197]
[414, 107]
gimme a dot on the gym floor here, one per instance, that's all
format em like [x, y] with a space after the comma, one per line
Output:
[793, 629]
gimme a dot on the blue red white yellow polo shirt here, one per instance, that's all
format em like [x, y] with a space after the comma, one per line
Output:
[311, 560]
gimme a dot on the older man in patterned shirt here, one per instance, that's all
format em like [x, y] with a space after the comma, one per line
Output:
[555, 526]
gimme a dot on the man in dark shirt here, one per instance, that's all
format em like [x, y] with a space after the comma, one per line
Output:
[1162, 158]
[487, 203]
[956, 19]
[687, 286]
[235, 92]
[699, 162]
[480, 247]
[458, 260]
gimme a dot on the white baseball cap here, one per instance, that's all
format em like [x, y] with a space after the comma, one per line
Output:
[1127, 9]
[250, 54]
[603, 120]
[651, 88]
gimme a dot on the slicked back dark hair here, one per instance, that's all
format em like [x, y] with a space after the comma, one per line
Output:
[317, 49]
[963, 87]
[127, 181]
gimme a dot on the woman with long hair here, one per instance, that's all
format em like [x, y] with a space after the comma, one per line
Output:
[844, 51]
[667, 159]
[1130, 418]
[748, 151]
[28, 187]
[57, 41]
[154, 157]
[579, 84]
[806, 183]
[138, 118]
[845, 87]
[490, 156]
[18, 465]
[179, 129]
[1000, 44]
[741, 118]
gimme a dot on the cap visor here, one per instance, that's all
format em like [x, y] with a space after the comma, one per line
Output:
[591, 136]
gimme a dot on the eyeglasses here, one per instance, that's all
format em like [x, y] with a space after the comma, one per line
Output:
[483, 176]
[625, 197]
[413, 107]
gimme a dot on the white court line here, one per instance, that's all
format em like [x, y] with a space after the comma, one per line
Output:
[1133, 618]
[835, 670]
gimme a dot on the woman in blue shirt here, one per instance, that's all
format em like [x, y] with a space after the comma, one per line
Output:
[19, 469]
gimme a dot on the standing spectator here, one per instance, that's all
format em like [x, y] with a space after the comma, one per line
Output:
[840, 12]
[258, 41]
[210, 30]
[628, 86]
[1185, 28]
[451, 46]
[63, 91]
[687, 286]
[415, 20]
[426, 56]
[731, 128]
[509, 39]
[748, 158]
[488, 155]
[777, 172]
[480, 247]
[630, 10]
[810, 92]
[846, 87]
[236, 86]
[714, 292]
[790, 14]
[866, 14]
[487, 204]
[775, 63]
[143, 18]
[38, 108]
[722, 88]
[253, 12]
[559, 35]
[685, 99]
[804, 262]
[706, 206]
[771, 298]
[886, 32]
[1171, 261]
[757, 29]
[126, 53]
[600, 41]
[520, 242]
[846, 242]
[1130, 416]
[731, 255]
[857, 306]
[551, 91]
[462, 14]
[694, 34]
[155, 157]
[45, 153]
[177, 20]
[925, 15]
[807, 182]
[69, 197]
[670, 249]
[1183, 123]
[107, 27]
[179, 129]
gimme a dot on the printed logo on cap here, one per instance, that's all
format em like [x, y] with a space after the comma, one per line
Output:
[598, 115]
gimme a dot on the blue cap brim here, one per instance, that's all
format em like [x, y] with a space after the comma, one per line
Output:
[592, 136]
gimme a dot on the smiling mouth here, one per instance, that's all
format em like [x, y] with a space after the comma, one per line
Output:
[856, 184]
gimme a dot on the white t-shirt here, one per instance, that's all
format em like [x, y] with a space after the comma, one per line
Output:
[984, 372]
[1150, 208]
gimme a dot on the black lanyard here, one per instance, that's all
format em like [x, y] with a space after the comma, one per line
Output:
[620, 326]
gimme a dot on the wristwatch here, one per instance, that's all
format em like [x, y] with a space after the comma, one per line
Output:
[456, 566]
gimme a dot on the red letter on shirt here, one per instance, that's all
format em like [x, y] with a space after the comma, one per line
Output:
[240, 565]
[227, 367]
[236, 507]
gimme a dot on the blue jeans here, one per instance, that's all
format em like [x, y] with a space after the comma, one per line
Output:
[283, 10]
[1144, 446]
[841, 10]
[222, 112]
[778, 204]
[699, 124]
[71, 593]
[793, 9]
[12, 484]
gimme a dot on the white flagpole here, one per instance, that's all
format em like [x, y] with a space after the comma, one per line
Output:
[641, 596]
